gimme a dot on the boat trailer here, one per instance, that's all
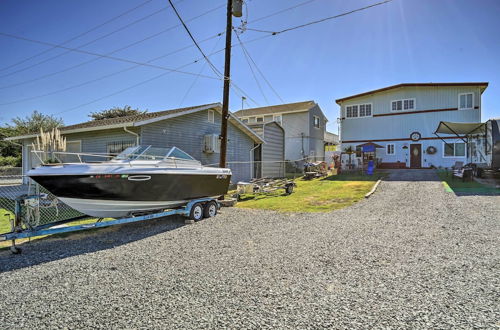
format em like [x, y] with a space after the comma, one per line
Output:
[264, 186]
[194, 210]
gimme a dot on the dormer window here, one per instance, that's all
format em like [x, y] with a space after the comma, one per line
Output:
[404, 104]
[465, 101]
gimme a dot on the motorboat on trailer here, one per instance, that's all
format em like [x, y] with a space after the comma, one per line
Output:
[140, 179]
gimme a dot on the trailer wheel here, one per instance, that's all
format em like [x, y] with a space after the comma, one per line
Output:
[289, 189]
[196, 213]
[210, 209]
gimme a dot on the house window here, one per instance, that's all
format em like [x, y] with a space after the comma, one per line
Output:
[277, 118]
[211, 116]
[390, 149]
[454, 149]
[260, 119]
[359, 150]
[405, 104]
[359, 110]
[352, 111]
[465, 101]
[118, 146]
[316, 122]
[365, 110]
[245, 120]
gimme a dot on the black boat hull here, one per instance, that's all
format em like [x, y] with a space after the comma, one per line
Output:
[116, 195]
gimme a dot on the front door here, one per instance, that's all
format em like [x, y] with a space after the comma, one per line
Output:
[415, 155]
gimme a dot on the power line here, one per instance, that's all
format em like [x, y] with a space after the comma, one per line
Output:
[119, 59]
[104, 76]
[110, 53]
[81, 46]
[247, 53]
[214, 68]
[198, 76]
[78, 36]
[251, 69]
[321, 20]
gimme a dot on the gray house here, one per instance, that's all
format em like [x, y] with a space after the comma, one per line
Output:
[192, 129]
[304, 124]
[269, 157]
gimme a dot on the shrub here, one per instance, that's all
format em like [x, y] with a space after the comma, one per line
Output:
[10, 161]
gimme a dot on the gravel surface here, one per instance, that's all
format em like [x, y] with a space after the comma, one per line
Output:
[410, 256]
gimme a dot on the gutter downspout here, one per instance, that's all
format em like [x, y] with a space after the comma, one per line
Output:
[133, 133]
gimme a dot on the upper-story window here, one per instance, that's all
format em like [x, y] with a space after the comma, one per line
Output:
[260, 119]
[211, 118]
[317, 122]
[245, 120]
[359, 110]
[404, 104]
[465, 101]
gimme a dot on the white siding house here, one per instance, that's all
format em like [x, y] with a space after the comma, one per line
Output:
[304, 124]
[403, 118]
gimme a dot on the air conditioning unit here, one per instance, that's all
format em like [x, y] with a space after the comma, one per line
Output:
[211, 143]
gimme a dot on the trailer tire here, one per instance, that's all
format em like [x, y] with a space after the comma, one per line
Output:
[210, 209]
[196, 212]
[289, 189]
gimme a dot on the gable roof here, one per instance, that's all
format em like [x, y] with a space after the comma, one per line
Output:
[279, 108]
[480, 84]
[144, 119]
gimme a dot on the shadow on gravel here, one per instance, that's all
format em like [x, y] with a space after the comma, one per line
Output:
[55, 247]
[413, 175]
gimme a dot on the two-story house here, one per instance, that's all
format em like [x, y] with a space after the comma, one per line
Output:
[402, 120]
[304, 124]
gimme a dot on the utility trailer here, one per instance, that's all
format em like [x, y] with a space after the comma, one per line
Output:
[194, 210]
[264, 186]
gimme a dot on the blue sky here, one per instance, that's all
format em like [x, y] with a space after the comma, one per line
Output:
[401, 41]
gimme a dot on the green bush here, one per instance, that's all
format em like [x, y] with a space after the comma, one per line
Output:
[10, 161]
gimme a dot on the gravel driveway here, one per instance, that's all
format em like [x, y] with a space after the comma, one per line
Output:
[411, 256]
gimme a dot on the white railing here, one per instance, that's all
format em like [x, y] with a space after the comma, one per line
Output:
[176, 162]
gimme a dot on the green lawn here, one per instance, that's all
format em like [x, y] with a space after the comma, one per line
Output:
[470, 187]
[318, 195]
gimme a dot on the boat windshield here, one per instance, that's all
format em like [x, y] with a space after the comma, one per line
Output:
[152, 153]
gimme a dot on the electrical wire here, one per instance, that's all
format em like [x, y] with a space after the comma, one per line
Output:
[104, 76]
[110, 53]
[79, 35]
[247, 53]
[212, 66]
[81, 46]
[119, 59]
[321, 20]
[251, 69]
[198, 76]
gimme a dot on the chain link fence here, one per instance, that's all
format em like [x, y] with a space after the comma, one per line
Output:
[43, 209]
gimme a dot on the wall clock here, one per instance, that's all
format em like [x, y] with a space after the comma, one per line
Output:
[415, 136]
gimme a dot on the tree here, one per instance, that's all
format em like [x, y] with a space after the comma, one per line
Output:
[33, 123]
[116, 112]
[7, 148]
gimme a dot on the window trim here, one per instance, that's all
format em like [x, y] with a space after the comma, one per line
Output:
[393, 149]
[454, 156]
[314, 122]
[403, 104]
[358, 105]
[472, 105]
[211, 113]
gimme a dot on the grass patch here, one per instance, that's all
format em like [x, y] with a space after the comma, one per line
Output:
[317, 195]
[457, 186]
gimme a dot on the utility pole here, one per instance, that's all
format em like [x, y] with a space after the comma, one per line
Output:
[227, 74]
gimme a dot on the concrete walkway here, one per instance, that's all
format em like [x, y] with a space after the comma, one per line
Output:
[410, 256]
